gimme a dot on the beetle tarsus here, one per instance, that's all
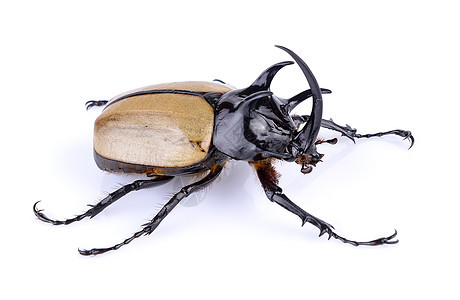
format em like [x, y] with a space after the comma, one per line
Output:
[325, 228]
[92, 103]
[42, 217]
[104, 203]
[94, 251]
[149, 227]
[376, 242]
[351, 133]
[267, 177]
[407, 135]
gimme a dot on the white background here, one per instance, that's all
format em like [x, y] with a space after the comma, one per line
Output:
[390, 65]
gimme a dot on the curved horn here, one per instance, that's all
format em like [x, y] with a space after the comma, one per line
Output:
[258, 95]
[306, 138]
[263, 82]
[292, 102]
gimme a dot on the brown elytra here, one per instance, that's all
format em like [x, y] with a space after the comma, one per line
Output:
[145, 127]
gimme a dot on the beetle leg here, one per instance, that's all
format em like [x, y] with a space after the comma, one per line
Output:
[111, 198]
[92, 103]
[220, 81]
[407, 135]
[269, 180]
[149, 227]
[351, 132]
[329, 124]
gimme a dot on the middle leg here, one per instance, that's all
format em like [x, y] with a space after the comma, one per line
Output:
[149, 227]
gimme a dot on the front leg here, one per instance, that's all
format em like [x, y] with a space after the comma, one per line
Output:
[351, 133]
[269, 180]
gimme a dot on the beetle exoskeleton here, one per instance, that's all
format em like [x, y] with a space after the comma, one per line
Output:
[163, 129]
[174, 129]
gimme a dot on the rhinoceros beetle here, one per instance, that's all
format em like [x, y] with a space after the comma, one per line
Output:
[175, 129]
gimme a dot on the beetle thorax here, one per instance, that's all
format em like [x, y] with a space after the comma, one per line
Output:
[249, 127]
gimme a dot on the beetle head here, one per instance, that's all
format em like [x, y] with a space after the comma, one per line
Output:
[253, 123]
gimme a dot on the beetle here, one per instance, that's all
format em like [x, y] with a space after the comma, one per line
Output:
[181, 128]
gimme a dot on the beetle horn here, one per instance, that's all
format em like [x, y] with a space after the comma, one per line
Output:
[253, 98]
[306, 138]
[263, 82]
[292, 102]
[258, 95]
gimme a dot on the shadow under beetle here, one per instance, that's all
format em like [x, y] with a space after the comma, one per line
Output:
[174, 129]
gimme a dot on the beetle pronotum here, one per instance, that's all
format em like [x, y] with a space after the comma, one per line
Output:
[174, 129]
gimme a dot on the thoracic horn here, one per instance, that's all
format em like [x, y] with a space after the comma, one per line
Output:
[263, 82]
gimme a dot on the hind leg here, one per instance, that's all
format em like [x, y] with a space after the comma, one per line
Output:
[111, 198]
[149, 227]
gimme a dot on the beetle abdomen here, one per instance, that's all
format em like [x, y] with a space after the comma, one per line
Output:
[152, 128]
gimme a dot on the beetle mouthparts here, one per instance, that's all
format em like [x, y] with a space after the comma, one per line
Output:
[308, 161]
[306, 169]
